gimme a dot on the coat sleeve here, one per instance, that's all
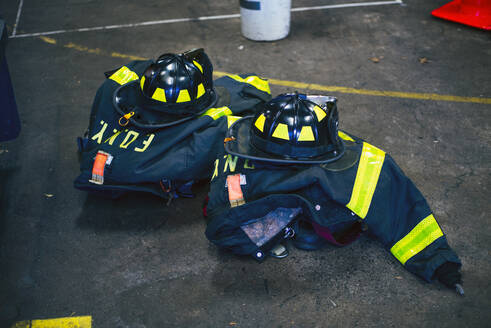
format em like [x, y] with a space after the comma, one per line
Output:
[398, 215]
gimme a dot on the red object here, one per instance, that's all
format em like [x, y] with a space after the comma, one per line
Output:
[476, 13]
[98, 168]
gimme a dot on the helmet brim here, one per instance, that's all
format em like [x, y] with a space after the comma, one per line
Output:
[151, 113]
[239, 144]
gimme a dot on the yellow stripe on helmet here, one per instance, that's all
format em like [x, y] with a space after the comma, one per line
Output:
[281, 132]
[183, 96]
[306, 134]
[259, 124]
[159, 95]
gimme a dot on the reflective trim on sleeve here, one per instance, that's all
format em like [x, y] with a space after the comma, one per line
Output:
[231, 120]
[124, 75]
[215, 113]
[422, 235]
[371, 161]
[253, 80]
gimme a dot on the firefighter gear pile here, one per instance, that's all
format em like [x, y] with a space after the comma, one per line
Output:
[286, 171]
[341, 186]
[157, 126]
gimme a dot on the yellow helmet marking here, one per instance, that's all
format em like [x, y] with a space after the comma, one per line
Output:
[198, 65]
[281, 132]
[260, 122]
[183, 96]
[231, 120]
[306, 134]
[201, 90]
[344, 136]
[159, 95]
[320, 113]
[142, 82]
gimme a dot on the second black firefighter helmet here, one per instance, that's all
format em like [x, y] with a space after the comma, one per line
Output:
[290, 129]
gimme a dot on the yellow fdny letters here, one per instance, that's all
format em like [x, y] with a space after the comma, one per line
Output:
[230, 165]
[129, 137]
[98, 136]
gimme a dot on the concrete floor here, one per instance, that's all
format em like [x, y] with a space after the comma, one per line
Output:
[136, 263]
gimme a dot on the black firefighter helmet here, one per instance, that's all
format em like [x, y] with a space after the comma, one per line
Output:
[173, 89]
[290, 128]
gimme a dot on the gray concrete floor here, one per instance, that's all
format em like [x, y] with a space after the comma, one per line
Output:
[136, 263]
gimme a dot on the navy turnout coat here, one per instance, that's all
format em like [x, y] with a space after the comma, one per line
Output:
[165, 159]
[372, 191]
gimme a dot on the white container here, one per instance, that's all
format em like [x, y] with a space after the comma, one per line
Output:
[265, 20]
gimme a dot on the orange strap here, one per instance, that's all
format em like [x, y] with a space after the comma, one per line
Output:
[98, 167]
[235, 195]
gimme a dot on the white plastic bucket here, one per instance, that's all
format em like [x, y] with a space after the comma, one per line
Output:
[265, 20]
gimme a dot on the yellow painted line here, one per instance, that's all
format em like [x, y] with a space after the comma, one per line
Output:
[305, 86]
[394, 94]
[48, 40]
[68, 322]
[118, 55]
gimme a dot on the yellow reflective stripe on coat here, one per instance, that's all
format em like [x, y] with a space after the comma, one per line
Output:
[371, 161]
[253, 80]
[422, 235]
[215, 113]
[124, 75]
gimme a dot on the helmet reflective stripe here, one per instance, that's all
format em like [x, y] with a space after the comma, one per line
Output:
[198, 65]
[159, 95]
[260, 122]
[306, 134]
[344, 136]
[320, 113]
[201, 90]
[142, 82]
[281, 132]
[183, 96]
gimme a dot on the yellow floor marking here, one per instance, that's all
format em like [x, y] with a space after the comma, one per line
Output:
[394, 94]
[305, 86]
[68, 322]
[48, 40]
[118, 55]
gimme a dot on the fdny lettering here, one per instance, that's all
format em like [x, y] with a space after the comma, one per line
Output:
[129, 137]
[230, 164]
